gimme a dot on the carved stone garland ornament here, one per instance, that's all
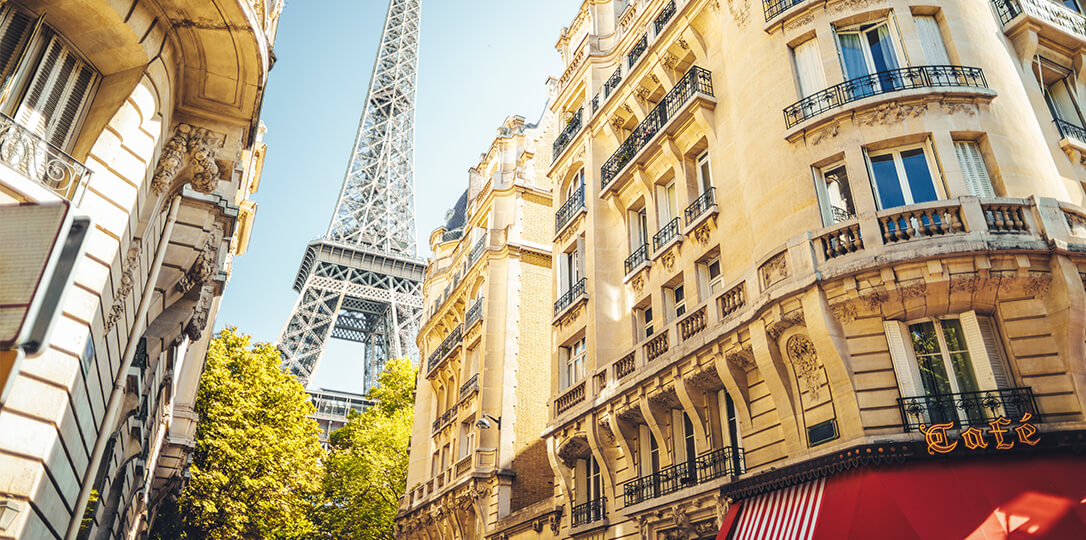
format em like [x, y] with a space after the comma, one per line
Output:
[204, 267]
[804, 358]
[128, 269]
[189, 146]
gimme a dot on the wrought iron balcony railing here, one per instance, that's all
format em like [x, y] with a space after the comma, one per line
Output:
[589, 512]
[448, 344]
[776, 7]
[637, 50]
[569, 209]
[477, 250]
[576, 291]
[696, 81]
[564, 138]
[637, 258]
[36, 159]
[1069, 130]
[444, 419]
[665, 15]
[709, 466]
[467, 386]
[474, 314]
[967, 408]
[700, 206]
[1054, 13]
[665, 235]
[883, 82]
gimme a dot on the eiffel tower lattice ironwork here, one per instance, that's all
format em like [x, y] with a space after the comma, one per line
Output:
[362, 281]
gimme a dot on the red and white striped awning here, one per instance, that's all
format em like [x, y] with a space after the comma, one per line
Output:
[788, 513]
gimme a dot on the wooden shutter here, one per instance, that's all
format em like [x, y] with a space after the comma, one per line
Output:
[15, 29]
[984, 349]
[812, 78]
[901, 354]
[932, 41]
[56, 95]
[973, 169]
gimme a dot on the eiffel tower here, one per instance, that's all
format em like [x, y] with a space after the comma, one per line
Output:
[362, 280]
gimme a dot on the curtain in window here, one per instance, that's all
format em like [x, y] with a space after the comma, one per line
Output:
[931, 39]
[809, 70]
[852, 54]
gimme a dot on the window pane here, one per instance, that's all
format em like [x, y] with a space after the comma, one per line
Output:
[882, 50]
[929, 359]
[959, 355]
[918, 175]
[887, 182]
[853, 56]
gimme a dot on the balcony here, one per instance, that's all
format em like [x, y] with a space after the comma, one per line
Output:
[589, 512]
[474, 314]
[664, 17]
[967, 408]
[477, 251]
[637, 259]
[701, 208]
[567, 400]
[696, 82]
[564, 138]
[693, 323]
[667, 235]
[732, 300]
[35, 159]
[466, 387]
[1043, 13]
[445, 419]
[448, 345]
[707, 467]
[883, 82]
[575, 292]
[772, 8]
[624, 366]
[568, 210]
[657, 346]
[636, 51]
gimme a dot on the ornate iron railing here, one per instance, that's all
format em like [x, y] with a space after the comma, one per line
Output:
[589, 512]
[1069, 130]
[967, 408]
[444, 419]
[564, 138]
[565, 213]
[1046, 10]
[696, 81]
[637, 258]
[709, 466]
[576, 291]
[637, 50]
[477, 250]
[665, 15]
[883, 82]
[448, 344]
[700, 206]
[474, 314]
[38, 160]
[467, 386]
[773, 8]
[665, 235]
[454, 234]
[612, 82]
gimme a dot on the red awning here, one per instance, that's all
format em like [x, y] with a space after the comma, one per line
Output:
[986, 499]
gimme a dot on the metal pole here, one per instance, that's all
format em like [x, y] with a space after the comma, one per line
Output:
[117, 397]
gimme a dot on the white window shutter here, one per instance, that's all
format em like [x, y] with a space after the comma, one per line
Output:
[56, 95]
[932, 41]
[15, 29]
[973, 169]
[812, 78]
[66, 118]
[901, 353]
[985, 351]
[32, 113]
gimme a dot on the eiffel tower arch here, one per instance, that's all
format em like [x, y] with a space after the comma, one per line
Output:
[362, 280]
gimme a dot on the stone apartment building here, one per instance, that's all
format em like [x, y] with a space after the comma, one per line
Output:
[144, 117]
[478, 467]
[819, 269]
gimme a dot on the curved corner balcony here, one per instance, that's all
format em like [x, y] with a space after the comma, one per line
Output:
[1049, 18]
[697, 82]
[883, 82]
[33, 158]
[773, 8]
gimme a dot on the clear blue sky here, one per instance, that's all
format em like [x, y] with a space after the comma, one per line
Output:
[480, 61]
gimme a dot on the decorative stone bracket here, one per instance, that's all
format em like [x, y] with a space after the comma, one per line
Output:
[190, 145]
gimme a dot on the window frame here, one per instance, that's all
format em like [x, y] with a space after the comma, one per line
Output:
[574, 363]
[902, 177]
[861, 29]
[703, 166]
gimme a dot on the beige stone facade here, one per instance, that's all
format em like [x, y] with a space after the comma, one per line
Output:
[784, 226]
[145, 116]
[478, 467]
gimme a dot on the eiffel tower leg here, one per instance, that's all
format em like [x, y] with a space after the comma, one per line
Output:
[301, 344]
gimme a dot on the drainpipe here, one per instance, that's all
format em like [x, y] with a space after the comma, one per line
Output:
[117, 397]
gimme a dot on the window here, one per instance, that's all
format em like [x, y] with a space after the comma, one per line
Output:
[46, 86]
[947, 355]
[644, 318]
[575, 184]
[836, 195]
[809, 72]
[467, 438]
[87, 358]
[667, 203]
[931, 39]
[436, 464]
[1071, 5]
[676, 300]
[710, 277]
[730, 427]
[639, 229]
[1058, 85]
[471, 363]
[575, 360]
[649, 450]
[705, 178]
[866, 50]
[902, 176]
[592, 488]
[974, 171]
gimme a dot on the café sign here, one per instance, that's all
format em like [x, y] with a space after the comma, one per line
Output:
[939, 441]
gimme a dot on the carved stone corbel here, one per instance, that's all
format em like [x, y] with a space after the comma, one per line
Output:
[205, 264]
[195, 327]
[193, 146]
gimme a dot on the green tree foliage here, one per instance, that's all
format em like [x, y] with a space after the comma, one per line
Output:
[256, 469]
[366, 469]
